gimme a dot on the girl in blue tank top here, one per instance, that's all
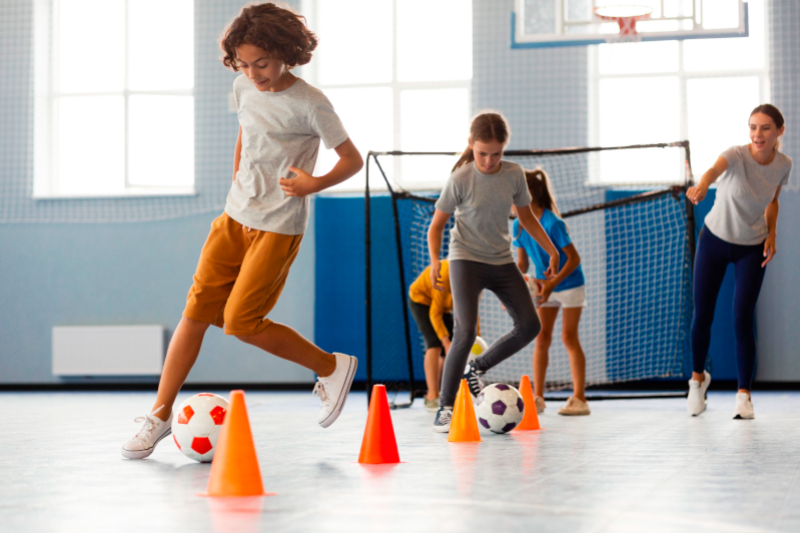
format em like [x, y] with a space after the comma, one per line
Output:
[566, 290]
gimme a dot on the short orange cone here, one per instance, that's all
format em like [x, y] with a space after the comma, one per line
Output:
[530, 419]
[234, 469]
[464, 426]
[379, 445]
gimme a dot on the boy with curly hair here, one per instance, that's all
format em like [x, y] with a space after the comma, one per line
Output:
[245, 261]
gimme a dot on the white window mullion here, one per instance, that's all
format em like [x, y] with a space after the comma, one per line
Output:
[126, 90]
[54, 89]
[683, 101]
[396, 134]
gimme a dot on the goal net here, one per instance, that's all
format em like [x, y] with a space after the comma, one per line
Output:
[629, 220]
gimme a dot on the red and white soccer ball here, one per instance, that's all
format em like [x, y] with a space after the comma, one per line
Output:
[196, 425]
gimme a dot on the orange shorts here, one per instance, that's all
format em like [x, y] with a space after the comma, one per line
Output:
[240, 276]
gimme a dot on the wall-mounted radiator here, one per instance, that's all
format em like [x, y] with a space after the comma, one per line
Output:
[108, 350]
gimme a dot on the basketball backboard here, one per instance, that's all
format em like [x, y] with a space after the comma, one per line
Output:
[554, 23]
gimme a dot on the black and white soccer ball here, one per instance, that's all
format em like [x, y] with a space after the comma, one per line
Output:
[499, 408]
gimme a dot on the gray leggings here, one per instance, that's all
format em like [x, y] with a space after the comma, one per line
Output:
[467, 280]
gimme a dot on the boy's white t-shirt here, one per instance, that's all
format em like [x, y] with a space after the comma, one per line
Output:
[279, 130]
[743, 192]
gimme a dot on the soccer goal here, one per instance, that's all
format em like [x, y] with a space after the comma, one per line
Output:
[630, 221]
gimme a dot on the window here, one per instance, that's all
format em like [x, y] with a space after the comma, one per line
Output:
[701, 90]
[399, 80]
[114, 109]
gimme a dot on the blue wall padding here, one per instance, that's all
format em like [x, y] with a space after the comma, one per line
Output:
[340, 317]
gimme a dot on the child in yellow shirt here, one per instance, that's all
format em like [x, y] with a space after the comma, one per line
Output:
[433, 312]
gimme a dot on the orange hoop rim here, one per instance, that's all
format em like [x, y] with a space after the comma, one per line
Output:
[644, 12]
[626, 22]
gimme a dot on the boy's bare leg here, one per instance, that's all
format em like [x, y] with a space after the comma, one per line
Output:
[541, 348]
[577, 360]
[288, 344]
[181, 355]
[432, 367]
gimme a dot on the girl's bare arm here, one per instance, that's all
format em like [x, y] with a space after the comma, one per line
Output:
[522, 260]
[435, 232]
[699, 191]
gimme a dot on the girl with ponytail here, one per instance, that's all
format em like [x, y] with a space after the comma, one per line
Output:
[481, 192]
[566, 290]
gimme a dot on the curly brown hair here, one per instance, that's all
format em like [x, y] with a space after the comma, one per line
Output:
[278, 30]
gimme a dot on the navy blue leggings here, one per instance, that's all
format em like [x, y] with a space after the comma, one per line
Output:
[713, 257]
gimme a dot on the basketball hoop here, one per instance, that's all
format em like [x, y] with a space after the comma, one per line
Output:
[626, 16]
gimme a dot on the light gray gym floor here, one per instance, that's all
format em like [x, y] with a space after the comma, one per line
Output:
[633, 465]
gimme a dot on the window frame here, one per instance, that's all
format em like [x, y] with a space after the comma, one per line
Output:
[310, 72]
[683, 76]
[46, 112]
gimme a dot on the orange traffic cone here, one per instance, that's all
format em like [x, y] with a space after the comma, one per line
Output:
[235, 470]
[464, 426]
[530, 418]
[379, 445]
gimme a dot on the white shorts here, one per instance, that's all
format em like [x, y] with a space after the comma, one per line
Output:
[567, 299]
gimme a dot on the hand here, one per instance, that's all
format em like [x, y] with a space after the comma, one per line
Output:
[544, 287]
[435, 276]
[769, 250]
[446, 343]
[696, 194]
[302, 185]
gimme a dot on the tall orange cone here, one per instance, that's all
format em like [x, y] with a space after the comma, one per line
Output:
[379, 445]
[530, 418]
[235, 470]
[464, 426]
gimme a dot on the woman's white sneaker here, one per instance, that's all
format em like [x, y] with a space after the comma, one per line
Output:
[333, 389]
[744, 407]
[153, 431]
[696, 401]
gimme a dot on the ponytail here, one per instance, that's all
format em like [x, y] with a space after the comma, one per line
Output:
[486, 127]
[467, 156]
[539, 187]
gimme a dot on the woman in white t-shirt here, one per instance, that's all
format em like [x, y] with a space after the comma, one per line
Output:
[739, 229]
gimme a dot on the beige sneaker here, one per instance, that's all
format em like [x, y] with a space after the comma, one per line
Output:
[540, 405]
[432, 405]
[575, 407]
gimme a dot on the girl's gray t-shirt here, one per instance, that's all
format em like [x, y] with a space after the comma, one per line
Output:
[482, 205]
[743, 192]
[279, 130]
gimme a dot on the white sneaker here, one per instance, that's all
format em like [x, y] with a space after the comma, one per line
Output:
[696, 401]
[332, 390]
[153, 431]
[441, 424]
[540, 405]
[575, 407]
[744, 407]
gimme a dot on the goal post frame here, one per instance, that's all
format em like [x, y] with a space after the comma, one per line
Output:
[674, 190]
